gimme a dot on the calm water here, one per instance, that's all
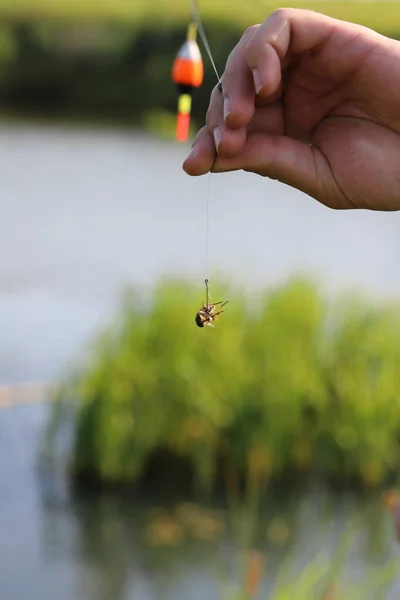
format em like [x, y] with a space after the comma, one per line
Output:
[52, 546]
[85, 213]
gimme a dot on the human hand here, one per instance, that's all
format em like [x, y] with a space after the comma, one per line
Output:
[313, 102]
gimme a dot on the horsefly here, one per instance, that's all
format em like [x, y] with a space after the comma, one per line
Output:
[206, 316]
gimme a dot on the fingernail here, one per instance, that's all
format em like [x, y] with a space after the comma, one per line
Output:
[257, 80]
[227, 107]
[217, 137]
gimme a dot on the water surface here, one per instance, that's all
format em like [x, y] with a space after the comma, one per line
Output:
[55, 545]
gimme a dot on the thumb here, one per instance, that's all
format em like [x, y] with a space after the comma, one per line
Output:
[290, 161]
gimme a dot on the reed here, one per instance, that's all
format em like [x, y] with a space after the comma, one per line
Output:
[292, 386]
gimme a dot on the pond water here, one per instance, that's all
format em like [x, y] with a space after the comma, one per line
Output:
[85, 213]
[55, 545]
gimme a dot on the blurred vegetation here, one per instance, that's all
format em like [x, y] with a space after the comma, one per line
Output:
[111, 60]
[324, 574]
[379, 15]
[287, 386]
[308, 548]
[296, 565]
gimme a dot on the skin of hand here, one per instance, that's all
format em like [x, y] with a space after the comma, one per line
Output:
[312, 102]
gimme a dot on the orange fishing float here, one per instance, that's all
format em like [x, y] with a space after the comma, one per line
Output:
[187, 74]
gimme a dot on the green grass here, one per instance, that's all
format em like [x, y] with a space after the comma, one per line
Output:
[383, 16]
[295, 386]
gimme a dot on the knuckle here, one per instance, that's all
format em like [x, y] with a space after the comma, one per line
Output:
[237, 52]
[280, 13]
[248, 36]
[262, 32]
[250, 31]
[200, 134]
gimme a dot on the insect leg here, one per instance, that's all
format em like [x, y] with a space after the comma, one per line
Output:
[212, 306]
[217, 315]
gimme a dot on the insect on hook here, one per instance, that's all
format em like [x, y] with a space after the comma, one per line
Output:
[206, 316]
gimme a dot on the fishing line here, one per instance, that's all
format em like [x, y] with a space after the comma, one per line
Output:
[208, 222]
[209, 313]
[197, 19]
